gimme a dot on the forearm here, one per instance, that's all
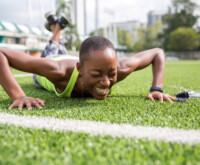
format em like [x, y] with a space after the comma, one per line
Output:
[155, 57]
[8, 81]
[158, 68]
[142, 60]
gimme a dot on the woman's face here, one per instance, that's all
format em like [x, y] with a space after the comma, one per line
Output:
[99, 72]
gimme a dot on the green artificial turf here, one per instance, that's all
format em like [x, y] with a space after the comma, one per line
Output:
[28, 146]
[15, 71]
[127, 104]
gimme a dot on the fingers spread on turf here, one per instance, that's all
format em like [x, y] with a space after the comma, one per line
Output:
[167, 98]
[42, 102]
[12, 106]
[28, 106]
[36, 104]
[160, 97]
[28, 102]
[172, 98]
[149, 96]
[20, 106]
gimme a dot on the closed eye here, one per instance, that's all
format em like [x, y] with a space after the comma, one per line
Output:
[112, 74]
[95, 75]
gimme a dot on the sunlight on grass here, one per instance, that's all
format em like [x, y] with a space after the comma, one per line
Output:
[126, 104]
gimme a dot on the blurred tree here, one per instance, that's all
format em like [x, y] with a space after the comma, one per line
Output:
[139, 45]
[125, 38]
[184, 39]
[100, 32]
[63, 8]
[180, 14]
[139, 39]
[148, 38]
[70, 34]
[198, 31]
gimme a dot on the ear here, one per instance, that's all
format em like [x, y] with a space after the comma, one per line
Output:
[79, 67]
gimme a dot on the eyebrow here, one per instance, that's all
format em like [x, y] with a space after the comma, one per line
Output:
[97, 70]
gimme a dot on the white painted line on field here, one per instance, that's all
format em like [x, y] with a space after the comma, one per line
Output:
[100, 128]
[23, 75]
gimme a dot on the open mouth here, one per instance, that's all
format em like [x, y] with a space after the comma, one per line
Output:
[102, 91]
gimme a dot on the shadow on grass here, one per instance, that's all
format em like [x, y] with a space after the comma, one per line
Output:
[142, 97]
[54, 102]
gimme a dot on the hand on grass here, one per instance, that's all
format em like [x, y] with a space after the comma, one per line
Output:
[28, 102]
[160, 96]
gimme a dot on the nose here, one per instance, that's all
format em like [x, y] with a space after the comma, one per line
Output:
[105, 82]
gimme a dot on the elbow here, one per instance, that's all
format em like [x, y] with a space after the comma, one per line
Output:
[3, 59]
[2, 51]
[2, 56]
[159, 54]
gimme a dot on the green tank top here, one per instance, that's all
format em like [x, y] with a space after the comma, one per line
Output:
[48, 85]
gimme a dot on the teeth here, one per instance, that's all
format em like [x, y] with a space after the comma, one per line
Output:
[101, 90]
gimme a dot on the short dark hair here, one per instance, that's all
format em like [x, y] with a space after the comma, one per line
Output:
[93, 43]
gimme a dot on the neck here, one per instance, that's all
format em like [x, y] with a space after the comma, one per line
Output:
[80, 88]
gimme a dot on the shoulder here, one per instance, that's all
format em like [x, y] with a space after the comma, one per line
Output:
[125, 67]
[65, 68]
[64, 74]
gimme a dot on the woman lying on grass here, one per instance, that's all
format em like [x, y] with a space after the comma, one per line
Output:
[92, 76]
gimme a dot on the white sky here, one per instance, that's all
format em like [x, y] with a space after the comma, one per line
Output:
[125, 10]
[30, 12]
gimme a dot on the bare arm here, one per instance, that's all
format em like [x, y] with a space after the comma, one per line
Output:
[141, 60]
[21, 61]
[13, 89]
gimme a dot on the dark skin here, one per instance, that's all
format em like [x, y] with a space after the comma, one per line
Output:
[97, 74]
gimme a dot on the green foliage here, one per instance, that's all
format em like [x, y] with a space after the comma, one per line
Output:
[100, 32]
[184, 39]
[70, 34]
[140, 42]
[148, 38]
[180, 14]
[63, 8]
[72, 38]
[125, 38]
[139, 39]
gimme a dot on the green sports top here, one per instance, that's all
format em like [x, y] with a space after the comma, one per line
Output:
[48, 85]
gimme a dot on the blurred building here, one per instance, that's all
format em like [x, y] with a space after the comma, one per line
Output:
[129, 26]
[153, 17]
[22, 26]
[24, 38]
[78, 13]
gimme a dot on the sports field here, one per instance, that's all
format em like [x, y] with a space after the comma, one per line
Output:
[127, 105]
